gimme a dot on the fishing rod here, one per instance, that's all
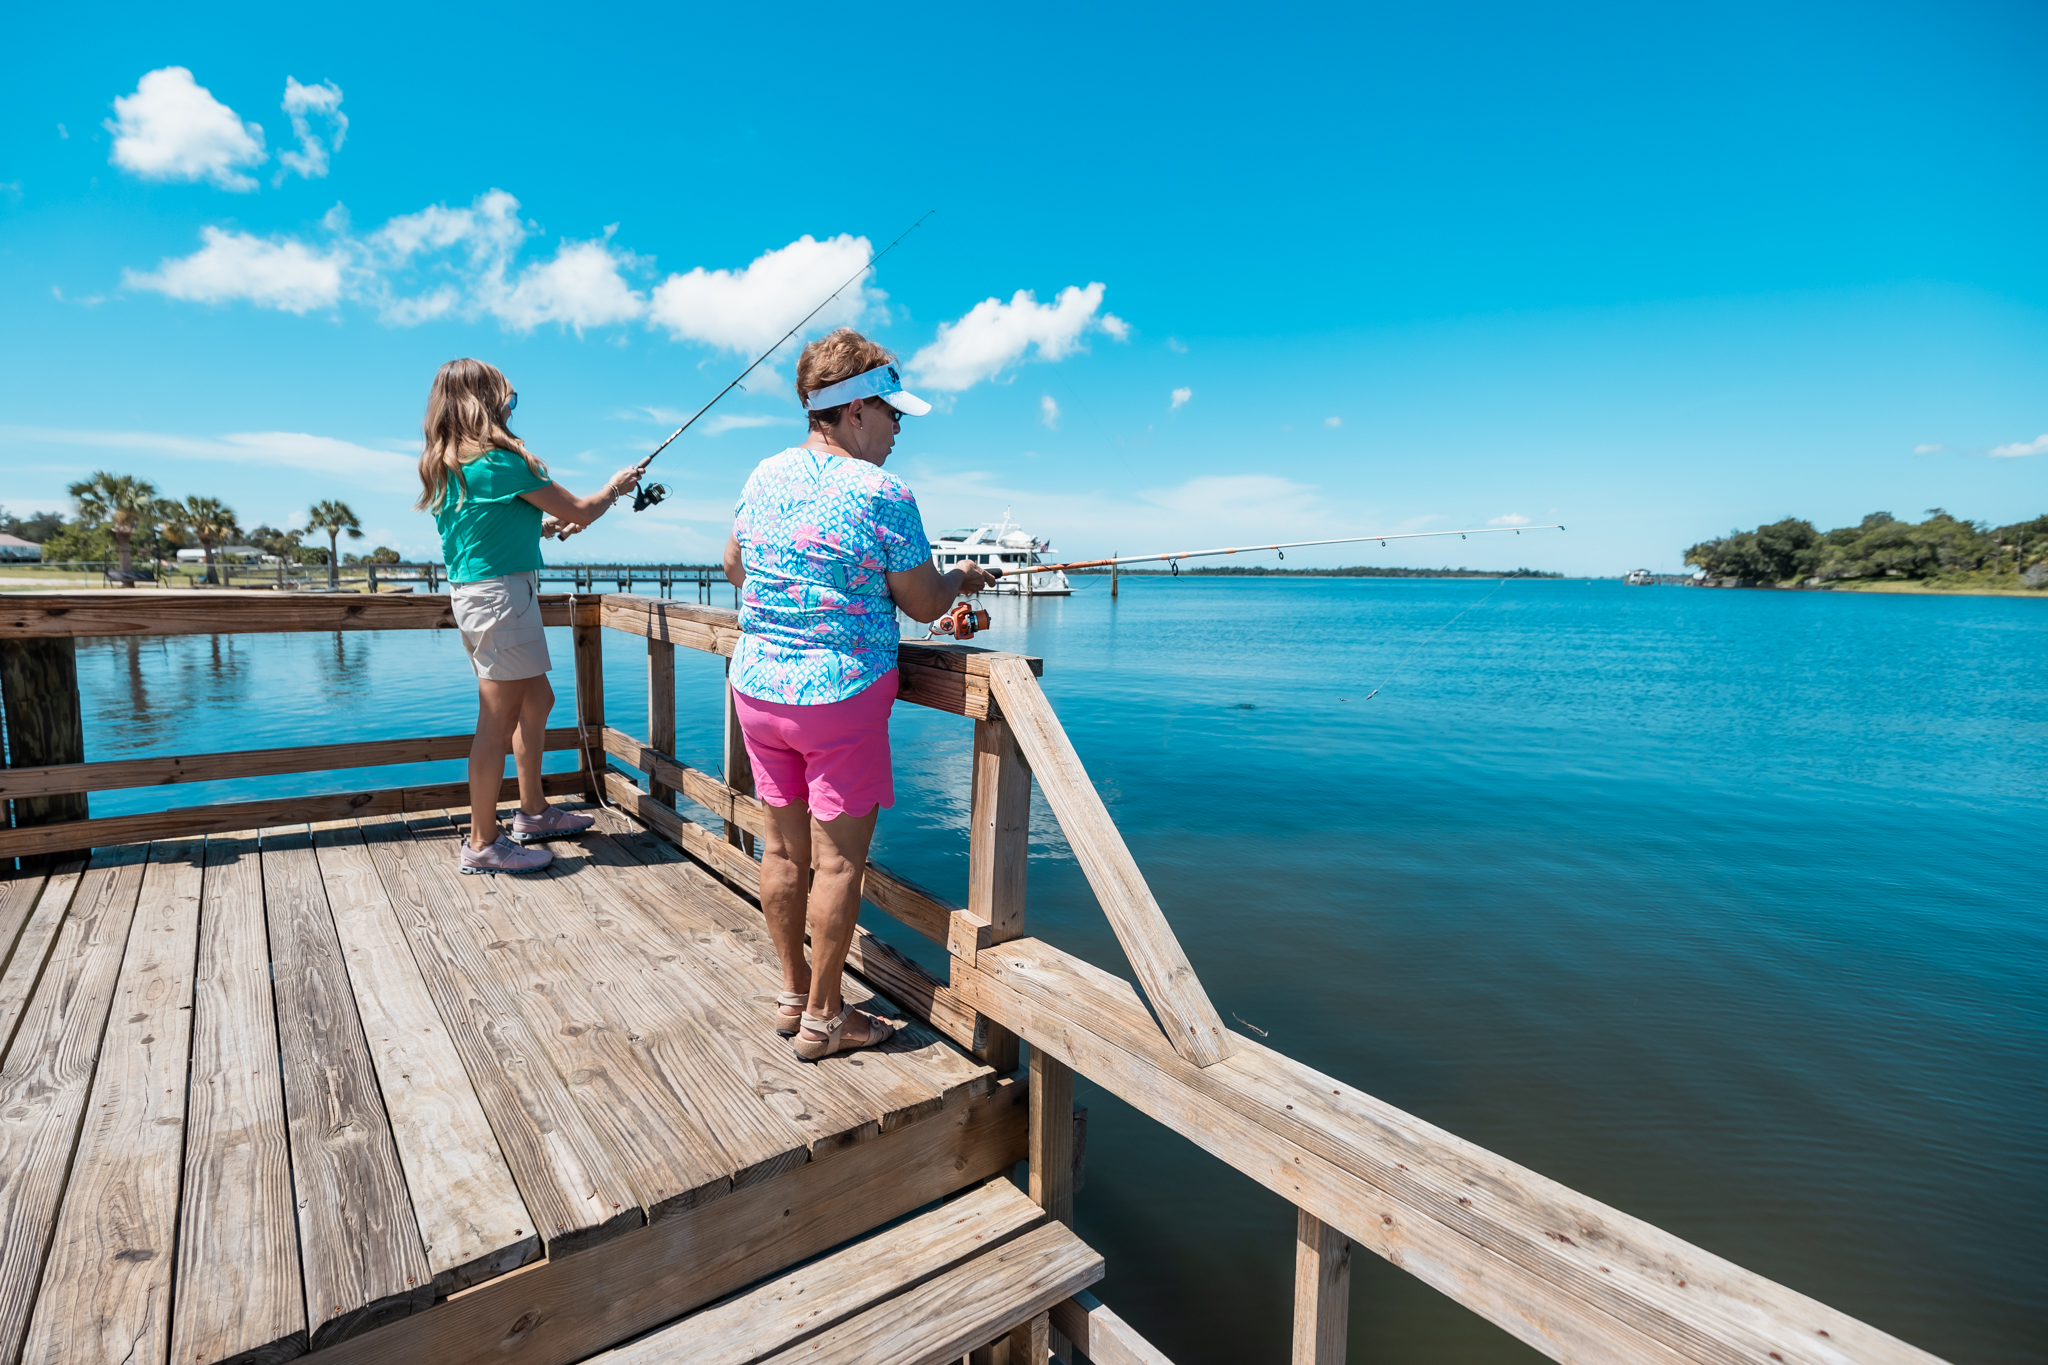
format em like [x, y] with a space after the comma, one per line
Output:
[963, 620]
[1283, 547]
[650, 494]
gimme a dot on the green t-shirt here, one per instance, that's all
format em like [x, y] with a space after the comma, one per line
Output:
[492, 531]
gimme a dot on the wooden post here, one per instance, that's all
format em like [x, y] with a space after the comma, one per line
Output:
[739, 769]
[45, 725]
[998, 852]
[661, 711]
[1112, 573]
[589, 644]
[1050, 1151]
[1029, 1340]
[1322, 1291]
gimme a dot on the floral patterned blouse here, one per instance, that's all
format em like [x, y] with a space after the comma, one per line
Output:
[818, 534]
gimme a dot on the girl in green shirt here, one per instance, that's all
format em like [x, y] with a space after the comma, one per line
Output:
[493, 502]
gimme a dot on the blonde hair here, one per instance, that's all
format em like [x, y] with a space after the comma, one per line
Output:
[829, 359]
[467, 412]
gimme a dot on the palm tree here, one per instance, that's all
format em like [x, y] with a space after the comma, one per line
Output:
[334, 518]
[122, 503]
[211, 522]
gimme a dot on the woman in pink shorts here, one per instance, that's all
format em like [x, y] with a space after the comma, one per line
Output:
[825, 547]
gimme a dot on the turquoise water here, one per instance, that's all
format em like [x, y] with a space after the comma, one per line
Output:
[1723, 907]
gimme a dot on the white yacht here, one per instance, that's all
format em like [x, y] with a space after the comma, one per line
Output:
[1006, 545]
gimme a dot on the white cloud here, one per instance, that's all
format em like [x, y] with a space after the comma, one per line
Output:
[724, 422]
[172, 128]
[281, 273]
[2037, 446]
[1180, 398]
[993, 336]
[744, 310]
[1511, 519]
[296, 449]
[581, 287]
[1176, 345]
[1049, 412]
[304, 103]
[1927, 450]
[1333, 421]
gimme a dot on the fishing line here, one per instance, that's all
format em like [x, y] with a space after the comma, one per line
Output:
[644, 498]
[1396, 670]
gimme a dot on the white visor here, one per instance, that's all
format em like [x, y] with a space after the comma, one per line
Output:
[881, 382]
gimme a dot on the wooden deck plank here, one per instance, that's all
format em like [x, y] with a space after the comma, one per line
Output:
[239, 1295]
[796, 1307]
[106, 1292]
[671, 1162]
[29, 946]
[566, 1309]
[568, 1177]
[731, 941]
[907, 1075]
[19, 892]
[359, 1241]
[770, 1109]
[48, 1074]
[952, 1313]
[471, 1218]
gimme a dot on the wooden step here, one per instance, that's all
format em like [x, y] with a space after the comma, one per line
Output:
[927, 1290]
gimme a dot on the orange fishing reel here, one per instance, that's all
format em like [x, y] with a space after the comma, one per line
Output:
[961, 622]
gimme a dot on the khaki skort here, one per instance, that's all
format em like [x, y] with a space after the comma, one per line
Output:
[500, 623]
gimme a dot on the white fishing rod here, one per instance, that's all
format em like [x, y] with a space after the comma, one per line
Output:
[1174, 557]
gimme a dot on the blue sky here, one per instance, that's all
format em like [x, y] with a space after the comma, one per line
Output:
[1652, 274]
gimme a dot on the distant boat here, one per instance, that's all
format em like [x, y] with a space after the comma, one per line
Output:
[1005, 545]
[1640, 578]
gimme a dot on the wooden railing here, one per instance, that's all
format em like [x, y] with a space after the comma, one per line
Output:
[1572, 1277]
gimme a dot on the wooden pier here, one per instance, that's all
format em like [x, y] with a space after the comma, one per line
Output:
[274, 1079]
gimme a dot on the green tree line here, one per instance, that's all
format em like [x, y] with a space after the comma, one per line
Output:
[1880, 546]
[117, 517]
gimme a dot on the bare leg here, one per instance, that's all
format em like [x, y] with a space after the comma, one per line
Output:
[840, 851]
[785, 870]
[497, 713]
[529, 742]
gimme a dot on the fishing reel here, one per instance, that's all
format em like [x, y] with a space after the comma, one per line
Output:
[961, 623]
[648, 494]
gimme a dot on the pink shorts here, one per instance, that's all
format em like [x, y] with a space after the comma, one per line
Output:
[835, 756]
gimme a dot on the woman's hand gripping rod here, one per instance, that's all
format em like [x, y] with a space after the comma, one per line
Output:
[1283, 547]
[646, 495]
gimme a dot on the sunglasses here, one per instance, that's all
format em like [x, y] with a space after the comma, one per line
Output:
[513, 406]
[889, 412]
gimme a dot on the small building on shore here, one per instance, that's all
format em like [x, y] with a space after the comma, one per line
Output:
[15, 550]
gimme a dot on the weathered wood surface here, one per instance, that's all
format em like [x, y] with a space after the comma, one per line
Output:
[661, 709]
[1103, 1337]
[54, 615]
[1322, 1291]
[797, 1306]
[1052, 1136]
[957, 1310]
[158, 772]
[359, 1241]
[527, 928]
[587, 637]
[568, 1178]
[471, 1218]
[185, 822]
[1568, 1275]
[913, 1074]
[239, 1293]
[738, 766]
[47, 1075]
[565, 1309]
[1141, 929]
[998, 853]
[36, 908]
[106, 1286]
[45, 722]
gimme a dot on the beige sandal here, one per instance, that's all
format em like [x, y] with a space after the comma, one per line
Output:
[814, 1049]
[786, 1024]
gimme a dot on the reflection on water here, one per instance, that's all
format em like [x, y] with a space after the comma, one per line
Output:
[1723, 907]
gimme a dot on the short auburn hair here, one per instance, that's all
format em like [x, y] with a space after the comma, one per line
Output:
[830, 359]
